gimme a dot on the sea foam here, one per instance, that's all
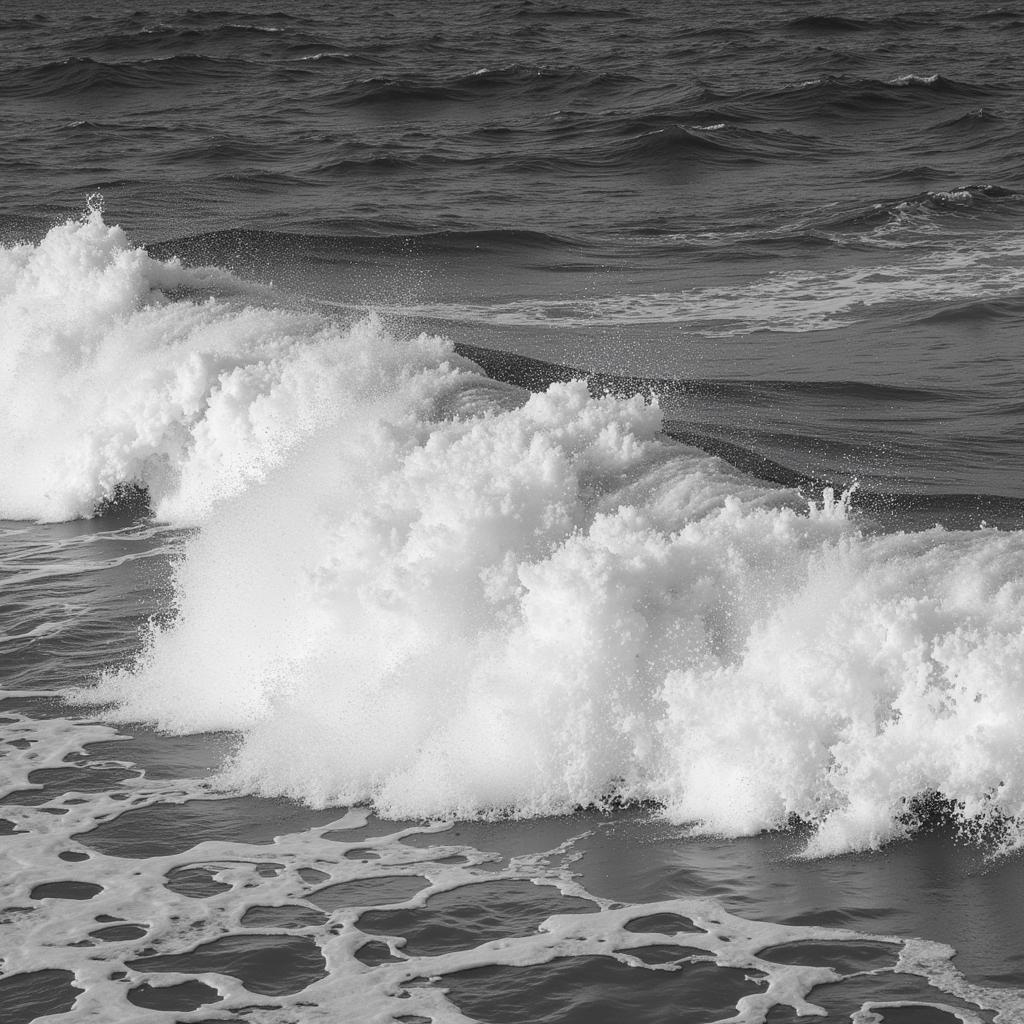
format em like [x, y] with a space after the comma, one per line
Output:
[116, 368]
[111, 913]
[425, 590]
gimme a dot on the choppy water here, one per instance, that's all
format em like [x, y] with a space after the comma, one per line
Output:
[511, 513]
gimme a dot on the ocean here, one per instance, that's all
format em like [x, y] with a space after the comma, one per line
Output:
[511, 512]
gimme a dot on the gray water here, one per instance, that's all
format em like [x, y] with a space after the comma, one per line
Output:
[801, 230]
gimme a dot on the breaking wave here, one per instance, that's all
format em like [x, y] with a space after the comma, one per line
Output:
[421, 588]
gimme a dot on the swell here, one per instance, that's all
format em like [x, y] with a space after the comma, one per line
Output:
[170, 39]
[582, 14]
[506, 82]
[829, 24]
[857, 98]
[537, 375]
[828, 96]
[979, 121]
[977, 203]
[256, 247]
[76, 75]
[715, 144]
[640, 146]
[978, 311]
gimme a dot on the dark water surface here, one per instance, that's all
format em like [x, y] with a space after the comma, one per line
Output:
[423, 623]
[767, 195]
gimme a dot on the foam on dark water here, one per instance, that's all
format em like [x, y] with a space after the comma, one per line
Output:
[421, 924]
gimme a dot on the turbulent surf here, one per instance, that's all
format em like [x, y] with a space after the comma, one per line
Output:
[512, 516]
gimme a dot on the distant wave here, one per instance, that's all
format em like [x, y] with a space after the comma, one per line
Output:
[936, 217]
[977, 312]
[626, 142]
[981, 203]
[224, 246]
[537, 374]
[791, 301]
[849, 96]
[508, 80]
[720, 32]
[827, 23]
[917, 172]
[714, 144]
[215, 149]
[217, 16]
[974, 120]
[379, 163]
[569, 13]
[84, 74]
[185, 35]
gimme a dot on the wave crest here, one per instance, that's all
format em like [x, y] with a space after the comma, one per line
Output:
[118, 368]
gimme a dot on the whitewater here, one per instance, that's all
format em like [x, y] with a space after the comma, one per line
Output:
[439, 595]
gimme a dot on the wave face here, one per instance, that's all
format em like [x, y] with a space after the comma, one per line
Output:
[427, 590]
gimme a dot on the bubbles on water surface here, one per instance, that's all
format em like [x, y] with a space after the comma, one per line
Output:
[288, 927]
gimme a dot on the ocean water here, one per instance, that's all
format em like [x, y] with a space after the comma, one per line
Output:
[511, 512]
